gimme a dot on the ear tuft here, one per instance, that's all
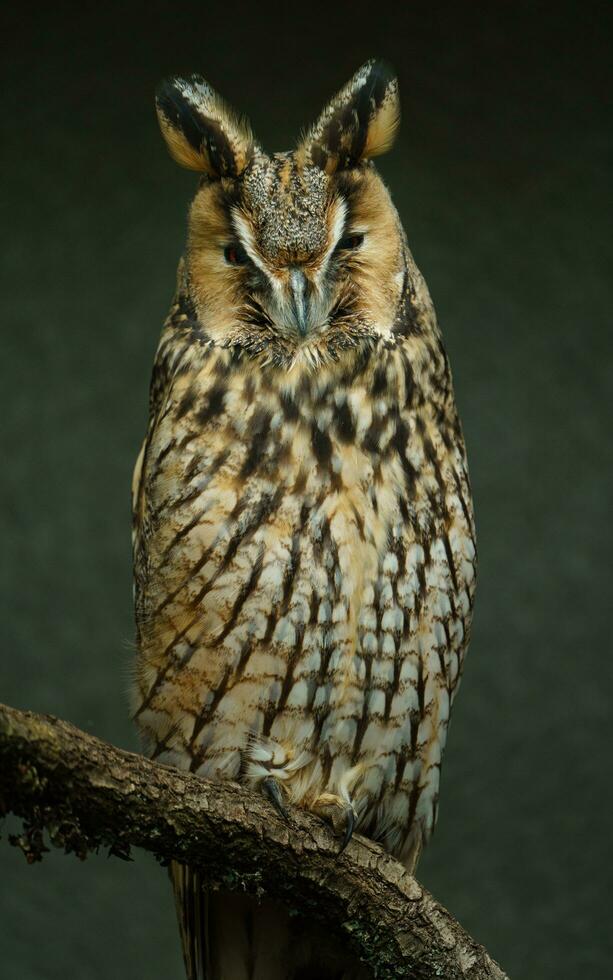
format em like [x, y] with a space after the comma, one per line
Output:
[201, 131]
[359, 123]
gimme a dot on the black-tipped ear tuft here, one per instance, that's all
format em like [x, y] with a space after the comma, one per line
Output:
[360, 122]
[201, 131]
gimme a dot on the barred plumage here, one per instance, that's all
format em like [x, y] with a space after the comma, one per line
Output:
[303, 535]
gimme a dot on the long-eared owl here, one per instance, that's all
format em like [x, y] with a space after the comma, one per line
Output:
[304, 544]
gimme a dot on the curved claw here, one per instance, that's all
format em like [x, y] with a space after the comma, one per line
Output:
[349, 827]
[273, 791]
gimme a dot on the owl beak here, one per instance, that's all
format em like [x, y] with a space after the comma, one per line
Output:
[298, 284]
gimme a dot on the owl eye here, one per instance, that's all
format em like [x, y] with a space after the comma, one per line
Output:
[349, 242]
[235, 255]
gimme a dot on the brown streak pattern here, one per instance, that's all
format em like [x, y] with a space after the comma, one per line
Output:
[304, 541]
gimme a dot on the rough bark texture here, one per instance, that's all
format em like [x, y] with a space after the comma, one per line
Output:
[86, 793]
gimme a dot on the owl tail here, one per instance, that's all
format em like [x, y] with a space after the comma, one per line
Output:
[235, 937]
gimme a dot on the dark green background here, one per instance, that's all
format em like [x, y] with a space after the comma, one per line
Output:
[500, 174]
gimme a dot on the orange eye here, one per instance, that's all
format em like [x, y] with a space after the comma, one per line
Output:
[235, 255]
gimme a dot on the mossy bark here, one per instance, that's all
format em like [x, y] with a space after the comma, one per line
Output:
[86, 794]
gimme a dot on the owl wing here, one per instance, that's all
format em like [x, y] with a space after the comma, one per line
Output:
[181, 330]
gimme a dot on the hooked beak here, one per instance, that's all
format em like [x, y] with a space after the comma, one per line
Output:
[299, 300]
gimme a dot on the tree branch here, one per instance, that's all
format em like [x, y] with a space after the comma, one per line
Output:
[86, 793]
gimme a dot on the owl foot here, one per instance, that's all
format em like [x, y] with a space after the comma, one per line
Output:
[340, 813]
[273, 791]
[349, 826]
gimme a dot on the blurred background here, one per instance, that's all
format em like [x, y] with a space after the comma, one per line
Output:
[500, 174]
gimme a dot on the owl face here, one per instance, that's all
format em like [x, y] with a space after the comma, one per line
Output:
[295, 257]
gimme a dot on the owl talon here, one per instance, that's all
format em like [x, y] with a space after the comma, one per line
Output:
[349, 827]
[273, 791]
[340, 813]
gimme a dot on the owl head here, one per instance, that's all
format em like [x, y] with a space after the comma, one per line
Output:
[297, 255]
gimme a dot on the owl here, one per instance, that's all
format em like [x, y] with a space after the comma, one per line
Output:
[304, 545]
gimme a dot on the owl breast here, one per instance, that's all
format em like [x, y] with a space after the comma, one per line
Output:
[304, 561]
